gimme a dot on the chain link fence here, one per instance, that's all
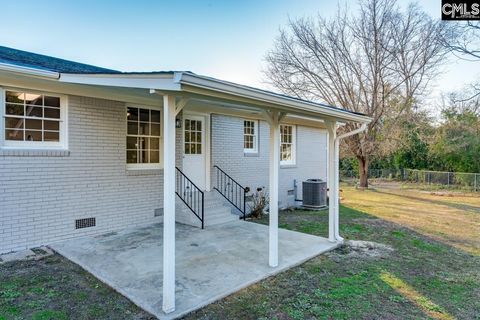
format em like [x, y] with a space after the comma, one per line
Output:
[434, 179]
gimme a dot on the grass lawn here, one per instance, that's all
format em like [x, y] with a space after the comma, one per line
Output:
[55, 288]
[433, 272]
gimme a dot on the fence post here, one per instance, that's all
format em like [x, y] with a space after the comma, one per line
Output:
[448, 179]
[475, 185]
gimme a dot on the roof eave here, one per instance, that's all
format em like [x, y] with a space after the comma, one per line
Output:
[194, 80]
[29, 71]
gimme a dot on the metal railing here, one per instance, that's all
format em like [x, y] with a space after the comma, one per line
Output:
[231, 190]
[190, 194]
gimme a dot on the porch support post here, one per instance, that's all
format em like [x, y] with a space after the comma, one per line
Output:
[273, 118]
[331, 185]
[337, 189]
[169, 113]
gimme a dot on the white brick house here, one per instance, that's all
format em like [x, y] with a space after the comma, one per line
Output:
[86, 150]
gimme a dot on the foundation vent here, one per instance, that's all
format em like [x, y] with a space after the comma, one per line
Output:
[85, 223]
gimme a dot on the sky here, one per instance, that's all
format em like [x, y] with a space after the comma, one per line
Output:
[223, 39]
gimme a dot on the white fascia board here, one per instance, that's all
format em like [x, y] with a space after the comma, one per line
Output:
[29, 71]
[260, 95]
[142, 81]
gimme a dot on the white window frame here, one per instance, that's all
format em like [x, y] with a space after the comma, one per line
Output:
[62, 144]
[255, 137]
[292, 161]
[144, 166]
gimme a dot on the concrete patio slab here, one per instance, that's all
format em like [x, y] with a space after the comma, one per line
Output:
[210, 263]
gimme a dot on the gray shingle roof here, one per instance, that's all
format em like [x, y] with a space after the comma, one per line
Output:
[39, 61]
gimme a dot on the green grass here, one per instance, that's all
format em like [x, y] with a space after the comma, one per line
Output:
[424, 277]
[433, 272]
[53, 288]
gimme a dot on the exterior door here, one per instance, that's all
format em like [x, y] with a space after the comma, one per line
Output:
[194, 149]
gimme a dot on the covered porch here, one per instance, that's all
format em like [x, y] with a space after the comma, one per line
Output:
[210, 263]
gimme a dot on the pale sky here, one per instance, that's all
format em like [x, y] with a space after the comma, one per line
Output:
[222, 39]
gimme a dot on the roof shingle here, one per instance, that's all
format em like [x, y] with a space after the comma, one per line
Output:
[39, 61]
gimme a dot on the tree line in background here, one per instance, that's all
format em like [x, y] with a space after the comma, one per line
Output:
[379, 61]
[421, 142]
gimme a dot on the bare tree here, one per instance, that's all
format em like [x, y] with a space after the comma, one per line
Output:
[377, 62]
[466, 40]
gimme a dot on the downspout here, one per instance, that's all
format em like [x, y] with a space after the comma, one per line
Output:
[362, 128]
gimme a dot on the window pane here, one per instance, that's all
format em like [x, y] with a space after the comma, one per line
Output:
[33, 124]
[199, 125]
[15, 123]
[132, 143]
[14, 135]
[131, 156]
[52, 101]
[132, 127]
[187, 148]
[143, 156]
[187, 136]
[155, 129]
[51, 125]
[34, 111]
[14, 109]
[12, 96]
[144, 115]
[187, 124]
[51, 136]
[52, 113]
[144, 128]
[155, 116]
[143, 143]
[199, 137]
[132, 114]
[154, 156]
[154, 143]
[199, 148]
[33, 135]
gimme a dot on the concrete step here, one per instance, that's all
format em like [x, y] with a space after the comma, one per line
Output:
[217, 211]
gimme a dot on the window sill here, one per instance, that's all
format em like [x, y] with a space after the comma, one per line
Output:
[250, 154]
[13, 152]
[144, 171]
[288, 166]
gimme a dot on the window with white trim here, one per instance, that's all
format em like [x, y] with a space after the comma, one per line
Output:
[33, 119]
[143, 137]
[250, 136]
[287, 144]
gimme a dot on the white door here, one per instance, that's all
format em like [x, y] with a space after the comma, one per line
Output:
[194, 149]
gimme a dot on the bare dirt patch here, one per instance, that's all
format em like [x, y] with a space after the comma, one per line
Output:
[358, 249]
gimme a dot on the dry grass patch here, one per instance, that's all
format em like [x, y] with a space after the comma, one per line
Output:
[452, 220]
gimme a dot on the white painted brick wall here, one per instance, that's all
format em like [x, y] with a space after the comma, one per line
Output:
[42, 195]
[252, 171]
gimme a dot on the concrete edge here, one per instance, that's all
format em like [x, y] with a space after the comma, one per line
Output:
[104, 281]
[243, 286]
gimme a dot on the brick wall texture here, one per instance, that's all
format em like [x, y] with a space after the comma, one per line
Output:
[43, 193]
[252, 170]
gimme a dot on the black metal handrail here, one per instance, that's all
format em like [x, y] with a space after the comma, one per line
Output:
[190, 194]
[231, 190]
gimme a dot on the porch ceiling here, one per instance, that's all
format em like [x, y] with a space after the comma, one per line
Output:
[210, 263]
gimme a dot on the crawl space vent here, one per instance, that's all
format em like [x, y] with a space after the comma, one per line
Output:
[85, 223]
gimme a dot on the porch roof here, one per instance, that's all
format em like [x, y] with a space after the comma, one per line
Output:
[180, 83]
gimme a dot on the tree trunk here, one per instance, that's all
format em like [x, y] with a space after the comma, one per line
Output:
[363, 171]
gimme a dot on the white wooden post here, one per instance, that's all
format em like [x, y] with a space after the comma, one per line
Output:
[273, 118]
[273, 205]
[332, 133]
[168, 203]
[336, 188]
